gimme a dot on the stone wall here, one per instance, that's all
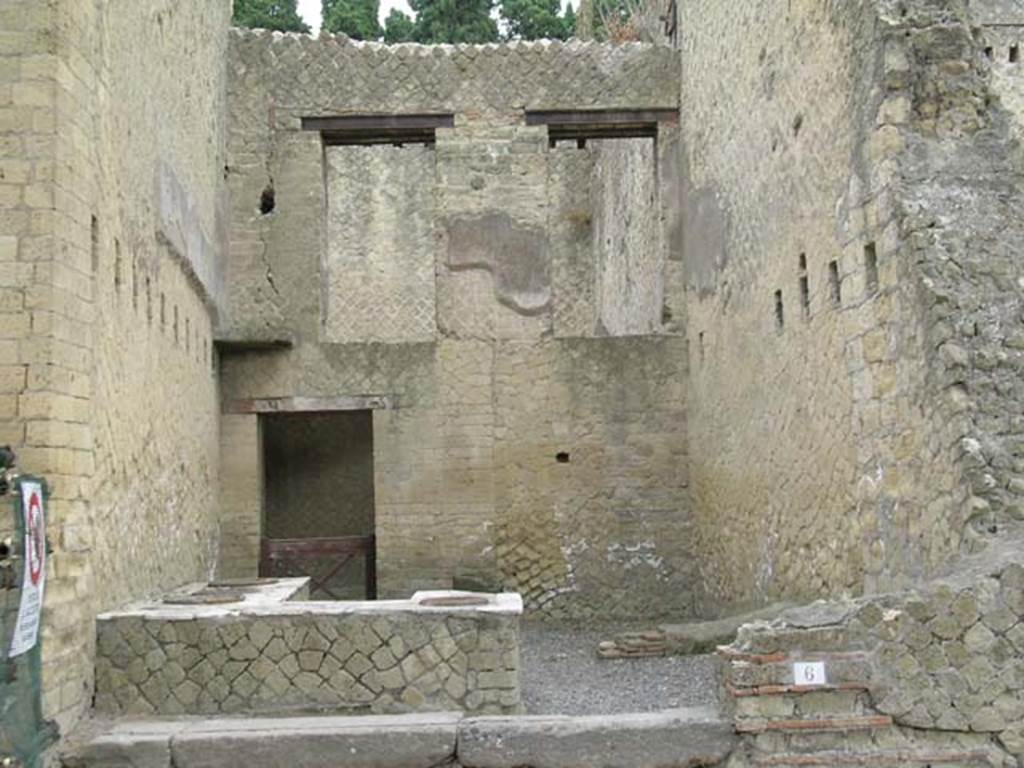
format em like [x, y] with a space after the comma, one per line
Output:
[964, 182]
[931, 675]
[383, 657]
[838, 347]
[534, 434]
[111, 142]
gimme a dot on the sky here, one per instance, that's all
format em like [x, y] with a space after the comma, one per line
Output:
[310, 10]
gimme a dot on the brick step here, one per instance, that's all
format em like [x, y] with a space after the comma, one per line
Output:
[794, 725]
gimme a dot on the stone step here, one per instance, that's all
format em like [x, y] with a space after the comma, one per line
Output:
[668, 739]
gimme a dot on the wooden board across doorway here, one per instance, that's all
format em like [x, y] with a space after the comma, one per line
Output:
[321, 559]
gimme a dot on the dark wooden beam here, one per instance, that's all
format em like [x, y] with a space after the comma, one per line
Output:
[580, 133]
[307, 404]
[246, 341]
[341, 130]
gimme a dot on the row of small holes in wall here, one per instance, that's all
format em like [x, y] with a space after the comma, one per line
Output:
[1013, 56]
[834, 285]
[191, 336]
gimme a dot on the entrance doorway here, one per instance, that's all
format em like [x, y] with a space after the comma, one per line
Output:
[318, 504]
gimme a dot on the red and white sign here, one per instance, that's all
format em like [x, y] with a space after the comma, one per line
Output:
[26, 631]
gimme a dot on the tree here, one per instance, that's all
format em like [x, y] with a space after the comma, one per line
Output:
[605, 20]
[355, 18]
[535, 19]
[569, 21]
[281, 15]
[399, 28]
[454, 21]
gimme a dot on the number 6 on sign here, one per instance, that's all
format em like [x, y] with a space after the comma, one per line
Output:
[809, 673]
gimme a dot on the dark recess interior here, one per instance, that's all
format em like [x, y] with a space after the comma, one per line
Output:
[318, 472]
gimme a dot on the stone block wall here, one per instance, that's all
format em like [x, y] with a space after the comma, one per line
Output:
[382, 658]
[933, 675]
[850, 387]
[111, 141]
[534, 435]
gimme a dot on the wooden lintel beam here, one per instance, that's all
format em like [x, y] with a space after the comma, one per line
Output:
[308, 404]
[342, 138]
[577, 132]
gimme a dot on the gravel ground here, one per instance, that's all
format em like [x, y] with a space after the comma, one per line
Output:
[560, 673]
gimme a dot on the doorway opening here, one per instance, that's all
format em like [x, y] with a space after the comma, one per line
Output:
[318, 501]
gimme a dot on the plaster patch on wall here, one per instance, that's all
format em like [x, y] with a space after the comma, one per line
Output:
[515, 254]
[705, 233]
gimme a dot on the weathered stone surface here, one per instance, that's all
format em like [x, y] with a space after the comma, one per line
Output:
[403, 741]
[670, 739]
[128, 750]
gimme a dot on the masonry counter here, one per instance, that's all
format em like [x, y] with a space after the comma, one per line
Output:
[259, 646]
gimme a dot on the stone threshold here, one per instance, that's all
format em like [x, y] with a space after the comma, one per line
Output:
[677, 738]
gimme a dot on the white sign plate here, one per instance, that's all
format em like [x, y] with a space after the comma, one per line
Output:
[809, 673]
[26, 631]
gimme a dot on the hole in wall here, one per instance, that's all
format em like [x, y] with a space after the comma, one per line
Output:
[94, 243]
[562, 457]
[700, 345]
[870, 269]
[780, 317]
[834, 285]
[804, 286]
[1014, 54]
[989, 52]
[117, 265]
[267, 201]
[798, 123]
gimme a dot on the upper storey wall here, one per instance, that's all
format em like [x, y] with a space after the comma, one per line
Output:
[484, 285]
[306, 76]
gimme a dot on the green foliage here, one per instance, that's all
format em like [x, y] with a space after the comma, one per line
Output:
[399, 28]
[536, 19]
[613, 19]
[569, 21]
[454, 21]
[281, 15]
[355, 18]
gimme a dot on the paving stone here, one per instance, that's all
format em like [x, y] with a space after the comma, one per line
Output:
[657, 740]
[416, 741]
